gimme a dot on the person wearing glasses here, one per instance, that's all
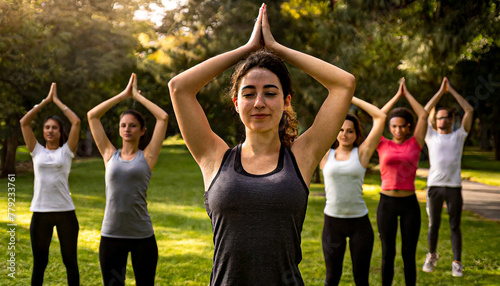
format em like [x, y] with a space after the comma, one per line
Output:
[444, 181]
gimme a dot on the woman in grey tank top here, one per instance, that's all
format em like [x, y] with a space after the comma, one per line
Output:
[256, 193]
[346, 214]
[126, 225]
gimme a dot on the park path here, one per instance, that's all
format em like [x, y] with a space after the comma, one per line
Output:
[484, 200]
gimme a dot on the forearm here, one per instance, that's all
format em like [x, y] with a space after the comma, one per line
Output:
[103, 107]
[72, 117]
[417, 108]
[192, 80]
[388, 106]
[327, 74]
[433, 101]
[371, 109]
[461, 101]
[28, 117]
[157, 111]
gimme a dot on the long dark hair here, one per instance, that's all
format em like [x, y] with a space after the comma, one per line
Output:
[265, 59]
[64, 137]
[357, 129]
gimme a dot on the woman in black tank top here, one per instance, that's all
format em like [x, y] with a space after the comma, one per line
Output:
[256, 193]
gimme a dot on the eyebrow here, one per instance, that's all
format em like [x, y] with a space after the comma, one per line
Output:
[265, 86]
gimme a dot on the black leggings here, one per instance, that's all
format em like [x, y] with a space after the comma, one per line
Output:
[388, 211]
[360, 233]
[41, 229]
[113, 253]
[435, 198]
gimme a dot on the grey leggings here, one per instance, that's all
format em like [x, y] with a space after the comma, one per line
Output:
[436, 196]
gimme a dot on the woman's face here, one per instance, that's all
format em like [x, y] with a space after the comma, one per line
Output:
[51, 131]
[347, 134]
[130, 128]
[399, 128]
[260, 101]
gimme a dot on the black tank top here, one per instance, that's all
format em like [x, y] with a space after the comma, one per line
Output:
[257, 222]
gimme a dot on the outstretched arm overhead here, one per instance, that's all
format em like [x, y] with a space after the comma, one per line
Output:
[422, 115]
[152, 151]
[74, 133]
[469, 110]
[310, 147]
[388, 106]
[369, 145]
[430, 106]
[206, 147]
[105, 146]
[29, 136]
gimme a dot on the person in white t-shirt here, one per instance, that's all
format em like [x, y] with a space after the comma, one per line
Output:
[444, 181]
[52, 204]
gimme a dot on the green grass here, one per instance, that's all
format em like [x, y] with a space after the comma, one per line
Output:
[184, 234]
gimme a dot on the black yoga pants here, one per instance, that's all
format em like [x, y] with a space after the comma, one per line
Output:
[360, 234]
[113, 253]
[41, 229]
[407, 210]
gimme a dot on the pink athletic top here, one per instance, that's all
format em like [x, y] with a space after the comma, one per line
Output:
[398, 164]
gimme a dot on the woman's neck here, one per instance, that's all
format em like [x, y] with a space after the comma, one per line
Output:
[344, 149]
[129, 148]
[261, 143]
[51, 145]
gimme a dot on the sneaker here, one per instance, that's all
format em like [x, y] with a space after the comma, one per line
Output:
[457, 269]
[431, 260]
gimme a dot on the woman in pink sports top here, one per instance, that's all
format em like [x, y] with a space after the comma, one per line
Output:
[398, 166]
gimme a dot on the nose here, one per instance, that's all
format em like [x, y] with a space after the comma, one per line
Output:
[259, 101]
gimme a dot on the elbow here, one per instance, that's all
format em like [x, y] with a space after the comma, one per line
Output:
[350, 83]
[90, 115]
[173, 86]
[424, 115]
[163, 117]
[77, 122]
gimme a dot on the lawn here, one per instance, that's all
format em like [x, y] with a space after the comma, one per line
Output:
[184, 235]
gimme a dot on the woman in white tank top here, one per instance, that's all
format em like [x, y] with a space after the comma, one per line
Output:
[346, 214]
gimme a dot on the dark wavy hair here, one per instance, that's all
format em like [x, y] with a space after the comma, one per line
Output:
[404, 113]
[136, 114]
[265, 59]
[357, 129]
[64, 137]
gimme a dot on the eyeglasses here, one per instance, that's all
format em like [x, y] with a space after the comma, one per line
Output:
[443, 118]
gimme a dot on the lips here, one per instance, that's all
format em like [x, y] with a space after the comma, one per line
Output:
[259, 115]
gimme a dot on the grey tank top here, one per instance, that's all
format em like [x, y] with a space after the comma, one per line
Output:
[257, 222]
[126, 212]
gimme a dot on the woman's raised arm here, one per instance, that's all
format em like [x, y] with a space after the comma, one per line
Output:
[74, 132]
[206, 147]
[312, 145]
[152, 151]
[28, 134]
[105, 146]
[369, 145]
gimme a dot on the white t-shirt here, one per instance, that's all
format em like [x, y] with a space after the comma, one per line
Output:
[51, 190]
[445, 154]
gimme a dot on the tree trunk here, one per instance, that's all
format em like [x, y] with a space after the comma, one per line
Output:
[9, 153]
[484, 136]
[496, 139]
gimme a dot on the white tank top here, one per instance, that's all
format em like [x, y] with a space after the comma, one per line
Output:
[344, 186]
